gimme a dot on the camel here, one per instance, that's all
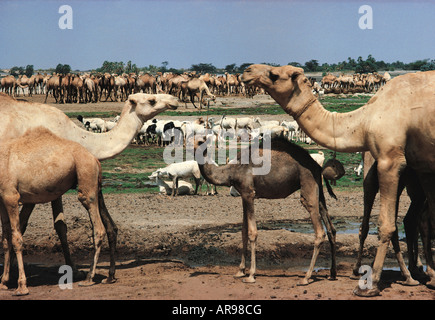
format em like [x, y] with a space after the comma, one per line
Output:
[371, 187]
[54, 85]
[8, 83]
[193, 87]
[231, 82]
[39, 167]
[147, 83]
[106, 84]
[395, 126]
[19, 116]
[292, 168]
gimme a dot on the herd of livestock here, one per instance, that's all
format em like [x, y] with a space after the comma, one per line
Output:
[74, 88]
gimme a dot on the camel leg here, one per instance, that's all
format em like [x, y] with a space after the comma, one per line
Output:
[112, 233]
[371, 187]
[388, 175]
[7, 246]
[90, 202]
[416, 193]
[309, 200]
[330, 231]
[427, 225]
[16, 238]
[251, 234]
[242, 267]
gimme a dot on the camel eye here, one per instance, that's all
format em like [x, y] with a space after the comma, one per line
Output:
[152, 101]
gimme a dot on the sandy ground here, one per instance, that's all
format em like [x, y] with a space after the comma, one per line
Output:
[188, 248]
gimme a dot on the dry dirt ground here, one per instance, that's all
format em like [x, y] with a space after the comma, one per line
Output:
[188, 248]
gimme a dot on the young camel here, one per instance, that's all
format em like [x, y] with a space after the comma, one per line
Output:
[39, 167]
[291, 169]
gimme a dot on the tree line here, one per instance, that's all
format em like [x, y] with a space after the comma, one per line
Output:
[358, 66]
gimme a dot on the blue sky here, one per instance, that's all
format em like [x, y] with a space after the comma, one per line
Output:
[217, 32]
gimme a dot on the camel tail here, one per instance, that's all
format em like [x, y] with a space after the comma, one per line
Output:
[329, 188]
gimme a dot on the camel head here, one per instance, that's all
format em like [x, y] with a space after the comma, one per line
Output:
[279, 82]
[147, 106]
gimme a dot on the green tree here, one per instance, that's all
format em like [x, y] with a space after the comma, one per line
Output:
[16, 71]
[203, 68]
[312, 65]
[29, 70]
[231, 68]
[63, 68]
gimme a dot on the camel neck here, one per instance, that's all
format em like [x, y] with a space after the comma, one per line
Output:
[336, 131]
[109, 144]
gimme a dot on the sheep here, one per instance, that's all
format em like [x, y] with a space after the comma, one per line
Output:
[167, 187]
[178, 170]
[245, 123]
[266, 123]
[96, 124]
[228, 123]
[293, 128]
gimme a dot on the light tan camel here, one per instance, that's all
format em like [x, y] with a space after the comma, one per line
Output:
[53, 85]
[8, 84]
[291, 169]
[39, 167]
[19, 116]
[396, 126]
[192, 88]
[409, 180]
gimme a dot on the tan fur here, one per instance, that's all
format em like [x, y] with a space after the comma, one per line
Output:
[40, 167]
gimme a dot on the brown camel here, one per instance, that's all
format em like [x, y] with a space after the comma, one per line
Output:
[39, 167]
[192, 88]
[53, 85]
[292, 168]
[396, 126]
[19, 116]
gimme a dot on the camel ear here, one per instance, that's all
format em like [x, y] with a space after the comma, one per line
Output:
[132, 100]
[295, 72]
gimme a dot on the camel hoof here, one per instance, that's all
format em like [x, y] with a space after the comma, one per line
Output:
[431, 284]
[3, 287]
[250, 279]
[409, 282]
[109, 280]
[21, 292]
[332, 278]
[239, 274]
[86, 283]
[304, 282]
[366, 292]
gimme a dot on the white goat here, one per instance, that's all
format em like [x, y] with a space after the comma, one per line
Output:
[167, 187]
[175, 171]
